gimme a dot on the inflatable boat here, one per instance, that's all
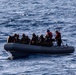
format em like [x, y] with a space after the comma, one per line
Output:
[23, 50]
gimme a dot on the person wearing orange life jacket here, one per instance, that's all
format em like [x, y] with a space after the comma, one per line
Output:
[49, 33]
[48, 38]
[58, 38]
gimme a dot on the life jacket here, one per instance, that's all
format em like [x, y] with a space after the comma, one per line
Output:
[50, 34]
[58, 35]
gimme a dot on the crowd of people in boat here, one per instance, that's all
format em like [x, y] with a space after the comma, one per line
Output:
[37, 40]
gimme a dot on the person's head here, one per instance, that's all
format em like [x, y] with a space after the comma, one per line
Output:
[33, 35]
[48, 30]
[56, 31]
[15, 35]
[41, 36]
[23, 35]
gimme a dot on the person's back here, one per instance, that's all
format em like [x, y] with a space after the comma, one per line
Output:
[23, 39]
[41, 40]
[49, 36]
[33, 40]
[58, 35]
[58, 38]
[48, 41]
[49, 33]
[17, 40]
[27, 40]
[9, 39]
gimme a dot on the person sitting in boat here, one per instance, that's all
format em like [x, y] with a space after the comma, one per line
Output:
[58, 38]
[16, 38]
[27, 40]
[48, 38]
[23, 41]
[49, 33]
[37, 40]
[9, 39]
[48, 41]
[34, 39]
[13, 39]
[41, 40]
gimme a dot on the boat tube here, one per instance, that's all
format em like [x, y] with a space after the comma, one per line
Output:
[23, 50]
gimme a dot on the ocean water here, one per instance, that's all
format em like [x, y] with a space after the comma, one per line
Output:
[29, 16]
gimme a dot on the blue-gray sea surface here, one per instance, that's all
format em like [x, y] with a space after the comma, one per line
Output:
[28, 16]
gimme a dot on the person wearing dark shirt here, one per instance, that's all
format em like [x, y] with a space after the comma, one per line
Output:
[34, 39]
[27, 40]
[9, 39]
[41, 40]
[16, 38]
[22, 41]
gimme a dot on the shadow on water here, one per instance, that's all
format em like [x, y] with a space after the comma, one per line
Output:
[37, 56]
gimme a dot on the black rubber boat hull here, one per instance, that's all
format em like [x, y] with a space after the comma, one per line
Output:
[23, 50]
